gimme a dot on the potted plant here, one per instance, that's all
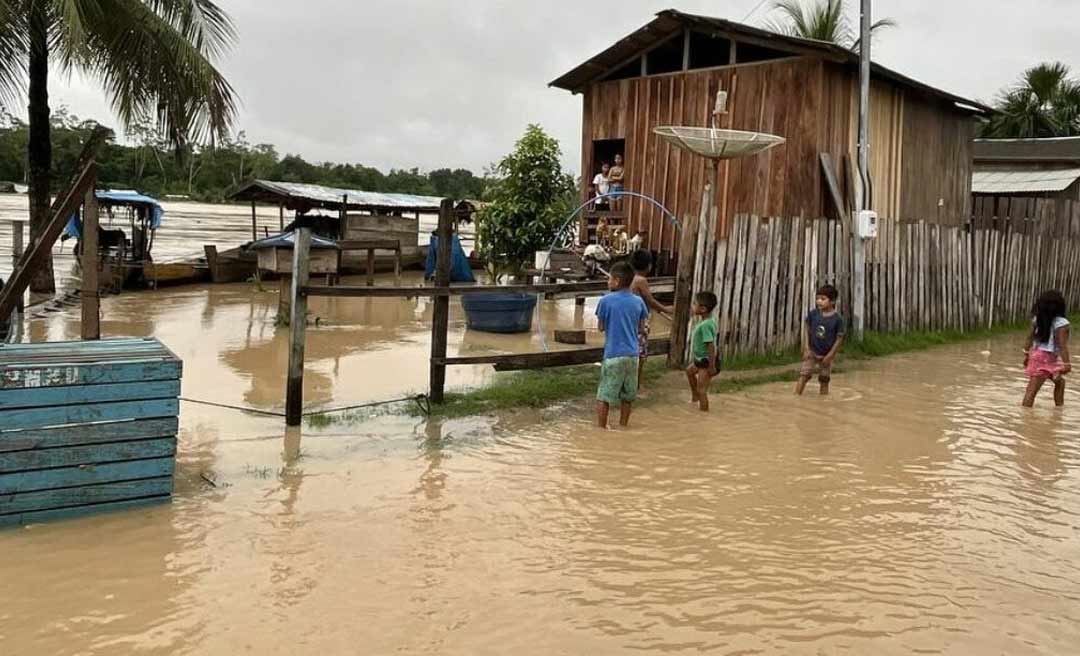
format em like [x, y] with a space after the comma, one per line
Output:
[525, 212]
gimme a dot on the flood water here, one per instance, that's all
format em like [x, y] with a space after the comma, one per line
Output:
[918, 509]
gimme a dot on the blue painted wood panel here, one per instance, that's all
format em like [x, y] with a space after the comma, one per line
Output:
[81, 414]
[85, 455]
[18, 519]
[116, 431]
[85, 495]
[79, 394]
[75, 476]
[92, 346]
[18, 376]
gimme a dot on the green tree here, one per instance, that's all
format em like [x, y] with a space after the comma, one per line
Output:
[1044, 103]
[153, 57]
[529, 201]
[821, 20]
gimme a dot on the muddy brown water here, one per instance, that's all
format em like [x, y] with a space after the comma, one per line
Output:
[917, 510]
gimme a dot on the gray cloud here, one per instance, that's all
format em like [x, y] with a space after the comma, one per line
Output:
[402, 83]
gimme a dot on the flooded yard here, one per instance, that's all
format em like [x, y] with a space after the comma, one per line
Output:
[917, 510]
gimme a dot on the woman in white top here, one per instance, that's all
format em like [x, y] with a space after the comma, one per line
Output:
[1048, 356]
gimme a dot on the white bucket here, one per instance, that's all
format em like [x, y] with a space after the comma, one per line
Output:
[543, 259]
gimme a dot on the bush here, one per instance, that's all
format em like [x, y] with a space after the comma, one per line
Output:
[527, 205]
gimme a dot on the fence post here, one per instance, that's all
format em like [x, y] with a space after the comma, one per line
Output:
[441, 315]
[684, 281]
[91, 299]
[294, 390]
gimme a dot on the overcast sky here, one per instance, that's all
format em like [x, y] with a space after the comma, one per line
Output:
[403, 83]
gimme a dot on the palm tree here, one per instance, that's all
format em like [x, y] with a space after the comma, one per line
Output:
[822, 20]
[1044, 103]
[153, 57]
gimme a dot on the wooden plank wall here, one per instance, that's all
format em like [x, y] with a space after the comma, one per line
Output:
[919, 276]
[773, 97]
[921, 151]
[85, 427]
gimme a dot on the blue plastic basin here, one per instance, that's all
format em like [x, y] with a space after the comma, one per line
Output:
[499, 313]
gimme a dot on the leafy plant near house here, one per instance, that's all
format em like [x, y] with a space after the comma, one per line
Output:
[1045, 102]
[527, 204]
[821, 20]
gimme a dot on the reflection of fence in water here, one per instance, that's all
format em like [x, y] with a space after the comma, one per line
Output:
[919, 276]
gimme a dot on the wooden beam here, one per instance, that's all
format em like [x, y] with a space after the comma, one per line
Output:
[210, 251]
[460, 290]
[371, 267]
[281, 217]
[834, 187]
[686, 50]
[521, 361]
[441, 315]
[254, 223]
[90, 296]
[685, 276]
[63, 207]
[294, 390]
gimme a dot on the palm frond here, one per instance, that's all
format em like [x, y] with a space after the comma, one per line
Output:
[160, 66]
[13, 52]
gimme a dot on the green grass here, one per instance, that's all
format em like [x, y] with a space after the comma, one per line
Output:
[532, 389]
[539, 389]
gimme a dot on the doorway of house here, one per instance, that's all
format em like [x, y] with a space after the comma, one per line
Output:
[605, 150]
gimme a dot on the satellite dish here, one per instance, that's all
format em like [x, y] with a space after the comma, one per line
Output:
[717, 144]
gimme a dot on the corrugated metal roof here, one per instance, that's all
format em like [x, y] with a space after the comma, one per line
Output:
[1059, 149]
[670, 22]
[319, 195]
[1013, 181]
[288, 239]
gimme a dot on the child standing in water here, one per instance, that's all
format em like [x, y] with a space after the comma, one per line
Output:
[822, 339]
[1048, 355]
[642, 262]
[621, 314]
[703, 350]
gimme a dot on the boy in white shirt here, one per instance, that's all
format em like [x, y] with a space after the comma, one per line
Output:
[601, 185]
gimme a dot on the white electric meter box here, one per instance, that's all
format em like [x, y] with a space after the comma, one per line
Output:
[866, 224]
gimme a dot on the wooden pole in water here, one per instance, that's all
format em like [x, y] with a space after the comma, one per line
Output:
[91, 301]
[294, 390]
[254, 223]
[684, 277]
[441, 315]
[281, 217]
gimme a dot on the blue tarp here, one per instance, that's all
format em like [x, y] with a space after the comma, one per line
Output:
[460, 271]
[74, 226]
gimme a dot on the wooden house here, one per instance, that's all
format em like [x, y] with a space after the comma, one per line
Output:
[669, 72]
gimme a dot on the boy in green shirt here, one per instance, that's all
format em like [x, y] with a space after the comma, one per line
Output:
[703, 350]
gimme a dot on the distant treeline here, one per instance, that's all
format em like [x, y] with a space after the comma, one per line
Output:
[150, 165]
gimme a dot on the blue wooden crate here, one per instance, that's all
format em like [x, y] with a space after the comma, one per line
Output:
[86, 427]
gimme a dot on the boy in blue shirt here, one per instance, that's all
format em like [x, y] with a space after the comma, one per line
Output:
[622, 316]
[822, 339]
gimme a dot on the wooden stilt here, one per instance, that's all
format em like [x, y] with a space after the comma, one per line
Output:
[684, 279]
[254, 223]
[441, 315]
[91, 301]
[294, 391]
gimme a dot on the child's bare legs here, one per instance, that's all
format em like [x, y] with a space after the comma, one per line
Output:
[602, 413]
[801, 385]
[624, 414]
[691, 377]
[1059, 391]
[824, 386]
[703, 381]
[1035, 383]
[641, 375]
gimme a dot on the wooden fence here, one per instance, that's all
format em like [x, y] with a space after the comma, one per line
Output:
[919, 276]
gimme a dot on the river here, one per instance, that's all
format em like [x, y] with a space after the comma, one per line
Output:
[918, 509]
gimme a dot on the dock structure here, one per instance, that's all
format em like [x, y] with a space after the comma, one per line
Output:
[86, 427]
[440, 292]
[350, 215]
